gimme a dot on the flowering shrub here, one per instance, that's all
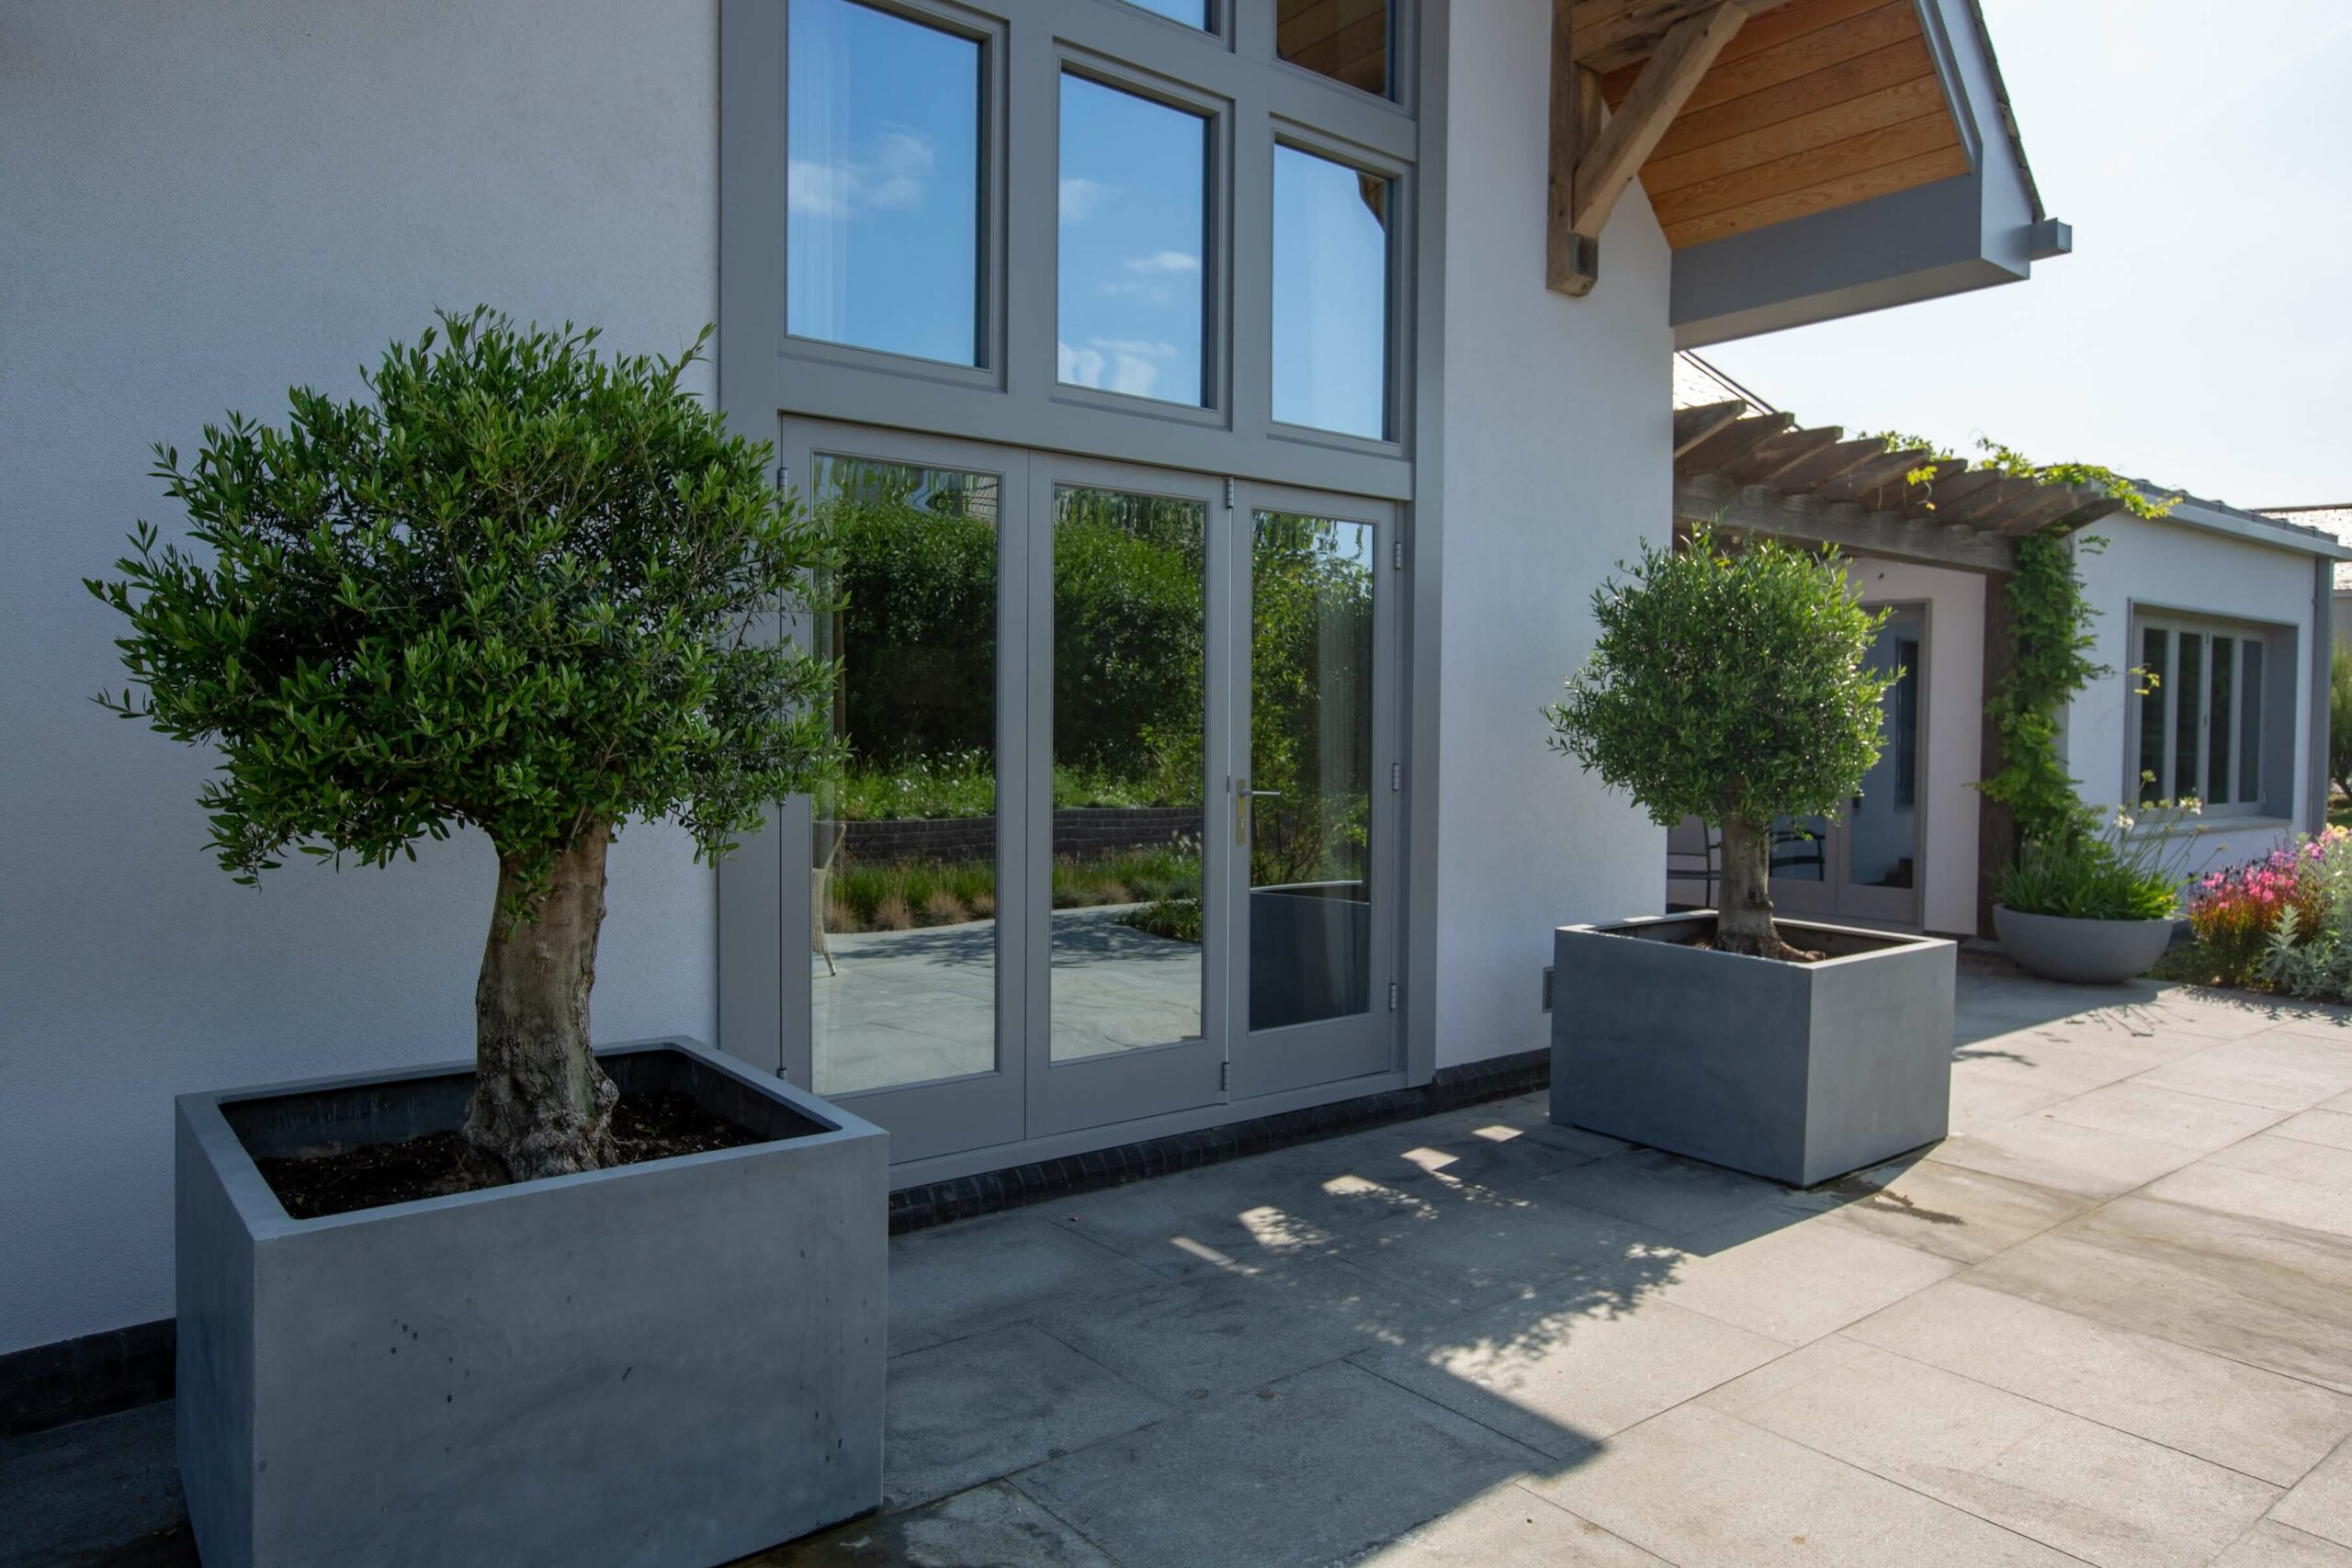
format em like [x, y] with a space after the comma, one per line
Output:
[2246, 916]
[2126, 868]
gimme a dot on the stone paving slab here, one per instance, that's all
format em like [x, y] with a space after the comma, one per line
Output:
[2259, 1422]
[2110, 1320]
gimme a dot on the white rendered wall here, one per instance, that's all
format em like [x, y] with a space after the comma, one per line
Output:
[1952, 737]
[1558, 464]
[2163, 566]
[200, 205]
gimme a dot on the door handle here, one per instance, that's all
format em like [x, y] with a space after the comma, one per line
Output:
[1242, 795]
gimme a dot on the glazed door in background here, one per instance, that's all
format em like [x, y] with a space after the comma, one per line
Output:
[1864, 865]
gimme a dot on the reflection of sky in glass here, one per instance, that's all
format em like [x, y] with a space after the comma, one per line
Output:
[1134, 180]
[1192, 13]
[883, 237]
[1330, 295]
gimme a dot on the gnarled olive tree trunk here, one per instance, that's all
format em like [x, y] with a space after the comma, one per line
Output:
[541, 1105]
[1743, 914]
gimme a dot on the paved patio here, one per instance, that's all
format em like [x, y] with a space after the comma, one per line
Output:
[2108, 1321]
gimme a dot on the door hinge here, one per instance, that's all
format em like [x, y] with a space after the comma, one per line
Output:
[1228, 492]
[1392, 995]
[1223, 1077]
[1395, 777]
[1396, 553]
[783, 479]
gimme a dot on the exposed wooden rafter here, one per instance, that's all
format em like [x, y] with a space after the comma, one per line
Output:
[1592, 163]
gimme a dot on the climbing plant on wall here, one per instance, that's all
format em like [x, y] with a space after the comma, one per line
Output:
[2051, 643]
[2050, 636]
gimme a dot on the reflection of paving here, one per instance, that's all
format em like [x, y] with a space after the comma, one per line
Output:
[908, 1007]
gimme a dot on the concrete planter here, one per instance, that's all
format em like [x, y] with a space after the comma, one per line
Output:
[674, 1362]
[2086, 952]
[1799, 1072]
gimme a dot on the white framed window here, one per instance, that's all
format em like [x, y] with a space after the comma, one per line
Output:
[2201, 713]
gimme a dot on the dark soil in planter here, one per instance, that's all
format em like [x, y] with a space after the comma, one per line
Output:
[1796, 954]
[654, 1125]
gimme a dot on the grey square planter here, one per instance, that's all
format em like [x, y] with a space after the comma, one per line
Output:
[1799, 1072]
[674, 1362]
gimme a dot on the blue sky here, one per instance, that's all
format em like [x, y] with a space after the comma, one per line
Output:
[2199, 335]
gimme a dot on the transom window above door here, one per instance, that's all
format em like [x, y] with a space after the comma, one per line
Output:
[882, 183]
[1133, 268]
[1176, 232]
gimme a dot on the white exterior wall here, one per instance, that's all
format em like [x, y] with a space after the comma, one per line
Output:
[1952, 739]
[2159, 565]
[1557, 462]
[202, 205]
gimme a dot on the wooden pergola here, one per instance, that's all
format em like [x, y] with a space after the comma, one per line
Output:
[1751, 472]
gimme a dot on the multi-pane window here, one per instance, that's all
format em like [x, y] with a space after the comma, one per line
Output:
[1140, 230]
[883, 184]
[2199, 714]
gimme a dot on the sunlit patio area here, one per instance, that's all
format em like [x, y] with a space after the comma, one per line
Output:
[2108, 1321]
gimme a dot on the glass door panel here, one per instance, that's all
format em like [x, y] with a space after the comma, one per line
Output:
[913, 976]
[1129, 714]
[1130, 931]
[903, 868]
[1879, 855]
[1313, 799]
[1863, 864]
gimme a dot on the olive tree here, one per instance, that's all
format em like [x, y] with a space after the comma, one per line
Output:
[514, 588]
[1729, 685]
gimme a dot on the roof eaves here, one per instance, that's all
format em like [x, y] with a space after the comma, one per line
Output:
[2009, 115]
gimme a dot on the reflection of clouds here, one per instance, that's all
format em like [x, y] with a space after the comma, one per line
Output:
[1080, 197]
[894, 175]
[1164, 261]
[1119, 364]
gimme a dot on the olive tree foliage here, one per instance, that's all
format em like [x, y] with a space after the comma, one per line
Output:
[1729, 685]
[517, 587]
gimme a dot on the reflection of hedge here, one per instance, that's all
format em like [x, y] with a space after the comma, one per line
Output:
[918, 647]
[917, 637]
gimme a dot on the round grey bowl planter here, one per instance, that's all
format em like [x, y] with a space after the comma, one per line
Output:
[2086, 952]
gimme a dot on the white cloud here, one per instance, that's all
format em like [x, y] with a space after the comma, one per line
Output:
[1078, 367]
[894, 175]
[1164, 261]
[1080, 197]
[1120, 365]
[903, 164]
[822, 189]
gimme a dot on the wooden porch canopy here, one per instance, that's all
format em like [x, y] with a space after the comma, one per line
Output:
[1739, 116]
[1757, 473]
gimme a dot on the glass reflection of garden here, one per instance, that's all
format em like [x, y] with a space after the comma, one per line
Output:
[906, 841]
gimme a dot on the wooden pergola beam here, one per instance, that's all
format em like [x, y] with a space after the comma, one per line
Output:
[1692, 425]
[1833, 463]
[1856, 530]
[1775, 457]
[1734, 441]
[1592, 163]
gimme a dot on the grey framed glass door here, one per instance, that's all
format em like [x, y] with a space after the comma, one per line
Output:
[919, 852]
[1312, 791]
[1864, 864]
[1129, 653]
[1115, 835]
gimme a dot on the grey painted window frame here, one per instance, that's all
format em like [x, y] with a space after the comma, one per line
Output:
[2278, 741]
[766, 376]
